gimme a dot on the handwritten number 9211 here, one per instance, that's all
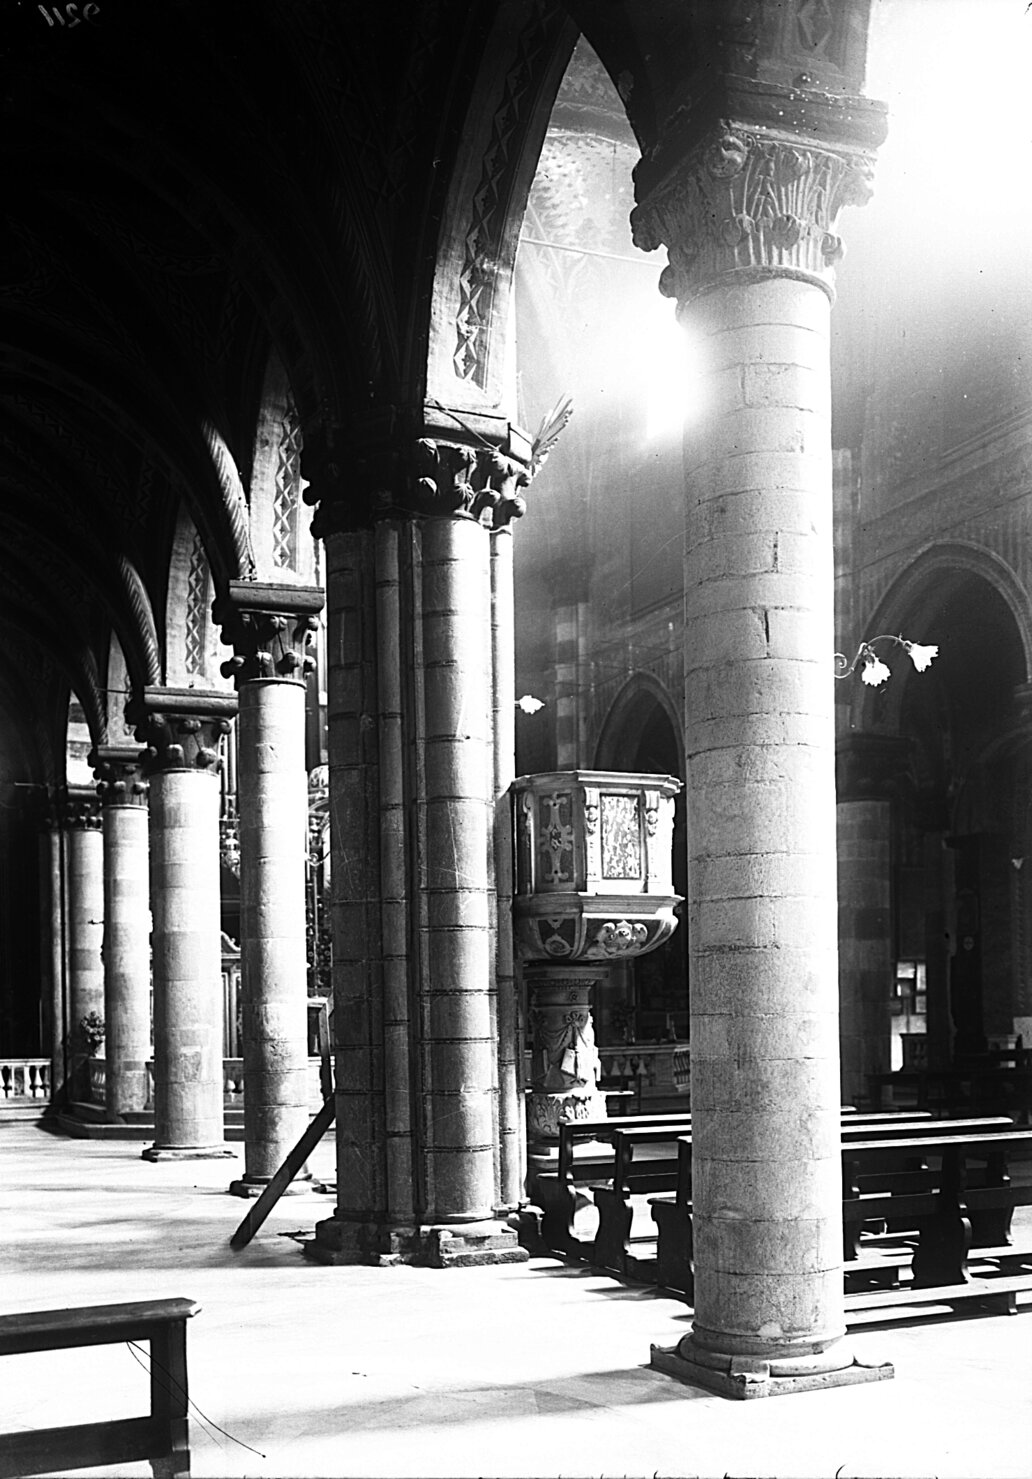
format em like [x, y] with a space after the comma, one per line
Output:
[68, 15]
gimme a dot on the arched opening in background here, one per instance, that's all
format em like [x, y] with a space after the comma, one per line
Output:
[961, 827]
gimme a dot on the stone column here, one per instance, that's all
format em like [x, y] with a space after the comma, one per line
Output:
[362, 1227]
[127, 974]
[52, 946]
[396, 907]
[271, 628]
[748, 217]
[511, 1132]
[85, 892]
[183, 728]
[459, 1072]
[412, 790]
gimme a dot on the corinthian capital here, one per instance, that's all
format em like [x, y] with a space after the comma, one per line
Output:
[270, 628]
[751, 201]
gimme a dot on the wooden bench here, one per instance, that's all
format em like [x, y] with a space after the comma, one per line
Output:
[887, 1152]
[954, 1216]
[664, 1171]
[561, 1193]
[667, 1172]
[162, 1437]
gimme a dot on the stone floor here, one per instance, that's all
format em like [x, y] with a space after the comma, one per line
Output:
[524, 1370]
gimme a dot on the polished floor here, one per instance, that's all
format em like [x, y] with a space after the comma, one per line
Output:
[523, 1370]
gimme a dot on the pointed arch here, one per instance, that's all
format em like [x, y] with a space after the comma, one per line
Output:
[192, 658]
[279, 519]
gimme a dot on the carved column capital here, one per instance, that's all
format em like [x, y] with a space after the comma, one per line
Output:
[748, 200]
[119, 773]
[81, 809]
[181, 727]
[434, 464]
[479, 483]
[270, 628]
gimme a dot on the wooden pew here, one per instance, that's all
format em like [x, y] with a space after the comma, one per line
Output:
[944, 1211]
[561, 1193]
[558, 1193]
[965, 1220]
[883, 1159]
[663, 1171]
[162, 1436]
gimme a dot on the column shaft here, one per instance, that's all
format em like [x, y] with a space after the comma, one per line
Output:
[85, 937]
[356, 891]
[511, 1118]
[273, 807]
[459, 1065]
[126, 957]
[52, 952]
[395, 909]
[761, 817]
[188, 1082]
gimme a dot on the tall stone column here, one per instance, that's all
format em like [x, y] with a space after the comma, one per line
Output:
[270, 628]
[127, 974]
[182, 728]
[412, 794]
[748, 217]
[85, 918]
[53, 952]
[512, 1124]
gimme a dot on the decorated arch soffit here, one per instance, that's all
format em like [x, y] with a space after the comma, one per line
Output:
[280, 533]
[469, 364]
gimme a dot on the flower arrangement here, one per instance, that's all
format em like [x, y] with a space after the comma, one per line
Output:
[92, 1029]
[873, 671]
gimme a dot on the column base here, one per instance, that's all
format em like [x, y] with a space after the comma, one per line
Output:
[253, 1186]
[187, 1153]
[456, 1245]
[745, 1377]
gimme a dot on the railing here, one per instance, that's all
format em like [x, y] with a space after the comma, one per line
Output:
[98, 1079]
[232, 1082]
[651, 1068]
[25, 1078]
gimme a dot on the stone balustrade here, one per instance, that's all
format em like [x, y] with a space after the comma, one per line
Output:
[654, 1069]
[25, 1078]
[232, 1080]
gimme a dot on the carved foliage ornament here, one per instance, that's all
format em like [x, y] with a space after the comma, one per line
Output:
[476, 481]
[269, 644]
[183, 741]
[751, 200]
[120, 780]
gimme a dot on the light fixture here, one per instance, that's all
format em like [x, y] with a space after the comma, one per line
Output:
[873, 671]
